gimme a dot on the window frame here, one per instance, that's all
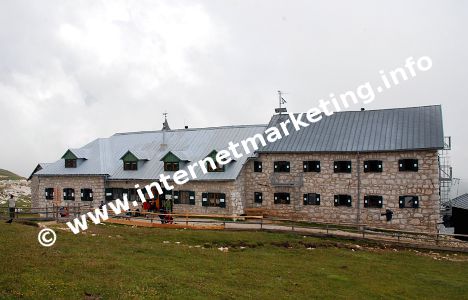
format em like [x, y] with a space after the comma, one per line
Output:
[341, 200]
[369, 201]
[282, 198]
[311, 199]
[373, 166]
[281, 166]
[311, 166]
[130, 165]
[171, 166]
[190, 199]
[408, 165]
[70, 163]
[257, 166]
[48, 192]
[342, 166]
[403, 204]
[69, 194]
[87, 194]
[258, 197]
[206, 199]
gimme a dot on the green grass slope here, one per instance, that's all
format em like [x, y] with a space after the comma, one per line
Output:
[7, 175]
[118, 262]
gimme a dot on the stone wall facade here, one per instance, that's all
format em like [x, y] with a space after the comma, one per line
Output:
[390, 184]
[58, 183]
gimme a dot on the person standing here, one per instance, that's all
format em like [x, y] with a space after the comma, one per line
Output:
[12, 206]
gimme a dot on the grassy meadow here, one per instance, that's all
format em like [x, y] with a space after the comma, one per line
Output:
[120, 262]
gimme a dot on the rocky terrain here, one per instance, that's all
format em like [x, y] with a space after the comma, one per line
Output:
[12, 184]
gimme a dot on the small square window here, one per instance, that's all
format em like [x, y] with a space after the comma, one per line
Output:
[184, 197]
[282, 198]
[311, 166]
[373, 166]
[257, 166]
[409, 202]
[258, 197]
[86, 195]
[171, 166]
[311, 199]
[342, 166]
[69, 194]
[371, 201]
[70, 163]
[408, 165]
[214, 199]
[130, 166]
[281, 166]
[49, 193]
[342, 200]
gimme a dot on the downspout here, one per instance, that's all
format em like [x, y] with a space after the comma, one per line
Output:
[358, 216]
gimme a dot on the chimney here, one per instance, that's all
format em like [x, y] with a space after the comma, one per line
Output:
[186, 127]
[363, 109]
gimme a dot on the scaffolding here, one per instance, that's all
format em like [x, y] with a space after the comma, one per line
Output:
[445, 173]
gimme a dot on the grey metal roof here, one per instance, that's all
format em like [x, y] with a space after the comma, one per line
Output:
[365, 131]
[460, 202]
[103, 154]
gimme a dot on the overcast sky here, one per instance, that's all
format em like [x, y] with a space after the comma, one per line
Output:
[73, 71]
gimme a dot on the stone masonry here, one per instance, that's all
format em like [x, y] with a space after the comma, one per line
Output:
[390, 184]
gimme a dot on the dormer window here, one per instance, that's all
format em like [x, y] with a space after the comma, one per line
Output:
[130, 162]
[217, 166]
[70, 159]
[70, 163]
[173, 159]
[130, 165]
[171, 166]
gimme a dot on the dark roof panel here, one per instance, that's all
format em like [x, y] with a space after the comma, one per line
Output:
[396, 129]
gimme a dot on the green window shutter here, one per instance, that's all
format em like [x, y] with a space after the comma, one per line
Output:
[192, 197]
[222, 200]
[176, 197]
[204, 199]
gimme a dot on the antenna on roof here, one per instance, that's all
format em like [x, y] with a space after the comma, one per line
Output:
[281, 109]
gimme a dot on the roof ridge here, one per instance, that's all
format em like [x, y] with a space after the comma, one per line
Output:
[192, 129]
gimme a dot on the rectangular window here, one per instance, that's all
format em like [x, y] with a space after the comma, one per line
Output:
[281, 166]
[409, 201]
[171, 166]
[343, 200]
[257, 166]
[130, 165]
[184, 197]
[311, 199]
[373, 166]
[49, 193]
[342, 166]
[70, 163]
[282, 198]
[133, 195]
[214, 199]
[258, 197]
[86, 195]
[115, 193]
[219, 167]
[69, 194]
[311, 166]
[372, 201]
[408, 165]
